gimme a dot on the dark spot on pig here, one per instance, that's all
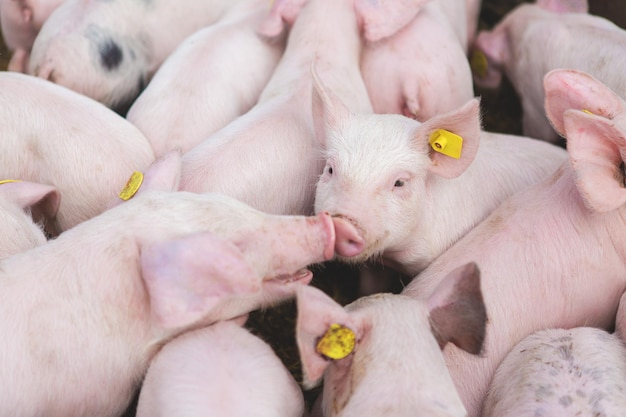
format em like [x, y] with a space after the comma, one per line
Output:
[111, 55]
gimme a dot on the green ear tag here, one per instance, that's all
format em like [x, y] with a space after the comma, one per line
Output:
[479, 63]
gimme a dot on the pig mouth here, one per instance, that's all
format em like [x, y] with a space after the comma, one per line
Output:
[303, 276]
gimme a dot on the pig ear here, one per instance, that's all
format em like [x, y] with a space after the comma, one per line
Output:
[187, 278]
[457, 310]
[383, 18]
[564, 6]
[283, 13]
[316, 313]
[463, 123]
[41, 199]
[329, 112]
[489, 52]
[570, 89]
[597, 149]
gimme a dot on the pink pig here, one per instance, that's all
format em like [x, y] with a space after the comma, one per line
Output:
[561, 373]
[408, 202]
[422, 70]
[536, 38]
[55, 136]
[215, 74]
[84, 314]
[20, 21]
[396, 366]
[109, 50]
[221, 370]
[24, 208]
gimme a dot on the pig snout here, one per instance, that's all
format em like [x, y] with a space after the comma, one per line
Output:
[348, 240]
[331, 230]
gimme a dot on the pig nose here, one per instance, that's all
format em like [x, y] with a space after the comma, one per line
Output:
[348, 241]
[329, 228]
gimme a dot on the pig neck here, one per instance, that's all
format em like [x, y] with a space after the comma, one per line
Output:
[327, 32]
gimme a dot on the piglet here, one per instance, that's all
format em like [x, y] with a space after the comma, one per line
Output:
[109, 50]
[549, 34]
[381, 355]
[220, 370]
[412, 189]
[561, 373]
[24, 208]
[20, 21]
[55, 136]
[215, 74]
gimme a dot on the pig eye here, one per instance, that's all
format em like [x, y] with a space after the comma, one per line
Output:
[329, 170]
[399, 183]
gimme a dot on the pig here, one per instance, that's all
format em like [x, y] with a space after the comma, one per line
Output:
[431, 73]
[56, 136]
[20, 21]
[549, 34]
[410, 376]
[24, 208]
[269, 157]
[84, 314]
[215, 74]
[109, 50]
[408, 202]
[560, 372]
[220, 369]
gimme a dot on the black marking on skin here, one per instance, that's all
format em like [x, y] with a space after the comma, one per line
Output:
[111, 54]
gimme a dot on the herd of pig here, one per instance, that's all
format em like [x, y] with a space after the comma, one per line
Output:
[168, 168]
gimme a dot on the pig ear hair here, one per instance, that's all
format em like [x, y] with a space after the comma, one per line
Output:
[571, 89]
[464, 122]
[282, 14]
[187, 278]
[383, 18]
[457, 310]
[329, 112]
[564, 6]
[597, 149]
[316, 313]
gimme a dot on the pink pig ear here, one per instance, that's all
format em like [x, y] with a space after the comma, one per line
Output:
[316, 313]
[564, 6]
[489, 52]
[383, 18]
[597, 150]
[463, 123]
[283, 13]
[570, 89]
[42, 200]
[329, 112]
[457, 310]
[187, 278]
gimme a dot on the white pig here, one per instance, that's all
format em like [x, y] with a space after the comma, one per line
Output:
[536, 38]
[212, 77]
[83, 315]
[396, 366]
[408, 202]
[219, 370]
[422, 70]
[20, 21]
[108, 50]
[56, 136]
[561, 373]
[24, 208]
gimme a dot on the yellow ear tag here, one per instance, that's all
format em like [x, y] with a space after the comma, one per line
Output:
[8, 181]
[132, 185]
[337, 343]
[446, 142]
[587, 111]
[479, 63]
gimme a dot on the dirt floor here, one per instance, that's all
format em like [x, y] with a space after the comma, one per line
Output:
[501, 113]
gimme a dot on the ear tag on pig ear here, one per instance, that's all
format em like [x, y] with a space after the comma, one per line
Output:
[446, 142]
[479, 63]
[337, 343]
[587, 111]
[132, 185]
[8, 181]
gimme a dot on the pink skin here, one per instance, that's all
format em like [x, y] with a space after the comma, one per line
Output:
[24, 209]
[381, 377]
[620, 319]
[534, 39]
[97, 48]
[400, 196]
[205, 77]
[552, 255]
[20, 21]
[561, 373]
[167, 262]
[55, 136]
[221, 369]
[431, 73]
